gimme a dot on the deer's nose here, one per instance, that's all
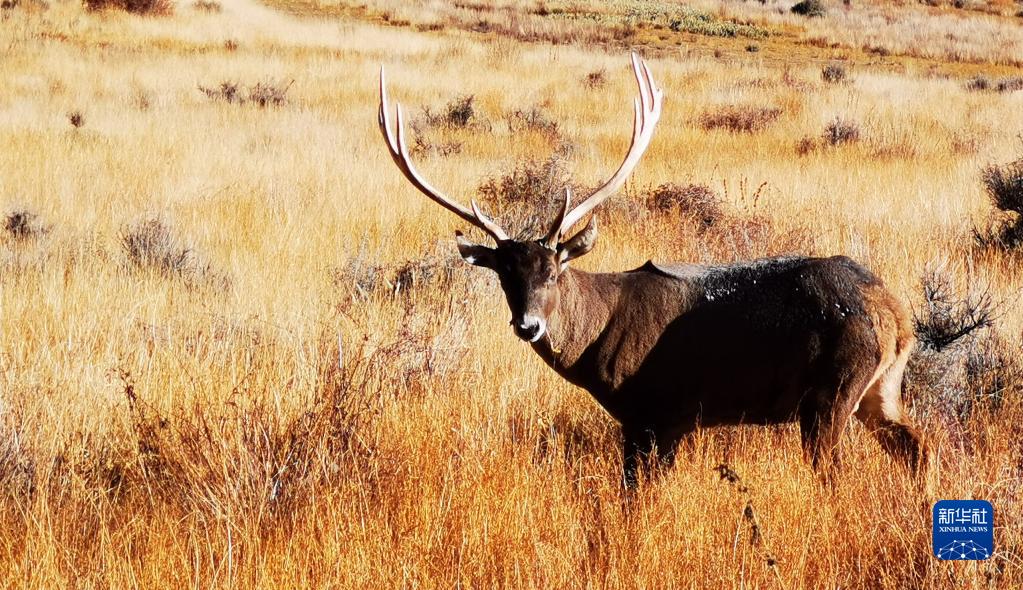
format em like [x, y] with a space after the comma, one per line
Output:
[530, 328]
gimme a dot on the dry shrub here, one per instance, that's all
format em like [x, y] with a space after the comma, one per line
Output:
[983, 83]
[151, 247]
[18, 467]
[459, 113]
[809, 8]
[749, 237]
[360, 278]
[534, 119]
[834, 73]
[528, 196]
[740, 118]
[24, 225]
[734, 236]
[532, 182]
[840, 132]
[807, 145]
[978, 83]
[210, 6]
[697, 202]
[945, 318]
[595, 79]
[147, 7]
[247, 456]
[76, 118]
[228, 91]
[958, 362]
[1009, 84]
[269, 94]
[262, 94]
[1004, 187]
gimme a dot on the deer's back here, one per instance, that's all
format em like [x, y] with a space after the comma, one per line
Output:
[737, 342]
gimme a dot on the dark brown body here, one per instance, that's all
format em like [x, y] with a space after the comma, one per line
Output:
[775, 340]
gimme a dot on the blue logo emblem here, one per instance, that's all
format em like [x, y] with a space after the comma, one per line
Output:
[963, 529]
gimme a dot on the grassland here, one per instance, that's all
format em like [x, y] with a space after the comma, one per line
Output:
[236, 349]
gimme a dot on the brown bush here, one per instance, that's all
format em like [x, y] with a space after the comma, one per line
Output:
[834, 73]
[24, 225]
[596, 79]
[147, 7]
[1004, 187]
[840, 132]
[210, 6]
[151, 246]
[947, 319]
[807, 145]
[262, 94]
[960, 363]
[535, 119]
[694, 201]
[528, 196]
[361, 278]
[740, 118]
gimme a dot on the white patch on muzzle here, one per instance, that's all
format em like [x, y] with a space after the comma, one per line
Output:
[531, 322]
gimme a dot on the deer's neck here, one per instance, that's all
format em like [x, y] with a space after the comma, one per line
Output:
[586, 301]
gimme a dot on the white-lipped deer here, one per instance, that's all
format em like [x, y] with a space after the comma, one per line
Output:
[664, 348]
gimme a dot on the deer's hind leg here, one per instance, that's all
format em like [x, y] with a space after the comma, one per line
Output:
[882, 411]
[830, 401]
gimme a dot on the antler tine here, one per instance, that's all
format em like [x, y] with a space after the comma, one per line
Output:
[399, 153]
[648, 112]
[554, 234]
[487, 223]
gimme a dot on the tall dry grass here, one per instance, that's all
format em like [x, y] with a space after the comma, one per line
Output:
[295, 385]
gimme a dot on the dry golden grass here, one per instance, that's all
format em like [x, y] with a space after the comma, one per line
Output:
[189, 420]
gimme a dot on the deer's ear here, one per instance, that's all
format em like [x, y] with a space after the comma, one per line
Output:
[579, 244]
[474, 254]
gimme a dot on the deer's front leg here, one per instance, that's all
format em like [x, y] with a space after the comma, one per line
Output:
[639, 442]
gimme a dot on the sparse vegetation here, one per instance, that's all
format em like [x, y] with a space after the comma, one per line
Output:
[834, 73]
[361, 416]
[595, 79]
[460, 112]
[150, 245]
[528, 196]
[147, 7]
[211, 6]
[982, 83]
[76, 118]
[840, 132]
[959, 367]
[534, 119]
[262, 94]
[1004, 187]
[24, 225]
[945, 319]
[809, 8]
[740, 118]
[701, 23]
[694, 201]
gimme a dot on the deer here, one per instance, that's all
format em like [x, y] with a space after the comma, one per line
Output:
[668, 348]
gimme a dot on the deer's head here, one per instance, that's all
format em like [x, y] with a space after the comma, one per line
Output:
[529, 270]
